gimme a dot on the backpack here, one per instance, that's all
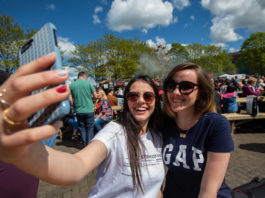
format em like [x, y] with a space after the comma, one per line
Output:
[252, 105]
[254, 189]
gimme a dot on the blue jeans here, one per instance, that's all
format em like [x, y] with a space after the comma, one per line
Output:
[73, 123]
[99, 122]
[86, 126]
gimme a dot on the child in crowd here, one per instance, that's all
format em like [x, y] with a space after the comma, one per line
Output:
[229, 100]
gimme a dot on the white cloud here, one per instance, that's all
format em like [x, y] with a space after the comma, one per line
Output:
[95, 15]
[233, 50]
[96, 19]
[222, 30]
[223, 45]
[71, 70]
[50, 7]
[175, 20]
[205, 25]
[98, 9]
[230, 15]
[151, 43]
[192, 17]
[143, 14]
[66, 46]
[181, 4]
[159, 41]
[144, 30]
[261, 3]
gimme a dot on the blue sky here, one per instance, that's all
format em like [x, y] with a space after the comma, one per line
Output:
[225, 23]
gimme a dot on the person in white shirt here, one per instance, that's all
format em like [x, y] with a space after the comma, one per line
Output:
[127, 152]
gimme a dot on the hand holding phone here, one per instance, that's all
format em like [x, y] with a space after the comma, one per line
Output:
[43, 43]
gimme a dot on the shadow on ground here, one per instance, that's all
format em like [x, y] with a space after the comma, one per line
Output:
[256, 147]
[70, 143]
[251, 126]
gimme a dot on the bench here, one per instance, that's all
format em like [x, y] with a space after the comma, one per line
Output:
[244, 99]
[237, 118]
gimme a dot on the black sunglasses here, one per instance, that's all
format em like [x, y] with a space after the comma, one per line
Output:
[134, 96]
[185, 87]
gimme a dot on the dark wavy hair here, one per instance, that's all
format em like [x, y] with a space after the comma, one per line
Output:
[205, 101]
[133, 129]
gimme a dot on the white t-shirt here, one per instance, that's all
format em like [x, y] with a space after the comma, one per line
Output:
[114, 173]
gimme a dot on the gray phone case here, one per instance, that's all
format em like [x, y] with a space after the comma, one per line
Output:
[43, 43]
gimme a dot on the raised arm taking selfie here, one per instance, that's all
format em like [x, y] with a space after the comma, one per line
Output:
[127, 152]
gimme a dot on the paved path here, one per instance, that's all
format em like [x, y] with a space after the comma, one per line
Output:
[80, 190]
[247, 161]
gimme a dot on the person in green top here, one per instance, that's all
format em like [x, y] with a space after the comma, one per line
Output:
[81, 99]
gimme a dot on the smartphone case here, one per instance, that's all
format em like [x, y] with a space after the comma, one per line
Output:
[43, 43]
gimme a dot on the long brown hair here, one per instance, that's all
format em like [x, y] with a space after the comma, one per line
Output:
[133, 128]
[205, 101]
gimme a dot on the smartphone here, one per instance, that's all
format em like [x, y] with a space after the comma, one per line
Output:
[42, 43]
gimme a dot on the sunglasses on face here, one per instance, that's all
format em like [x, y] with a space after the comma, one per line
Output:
[185, 87]
[134, 96]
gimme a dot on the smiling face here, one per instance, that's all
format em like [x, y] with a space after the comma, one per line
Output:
[140, 109]
[179, 102]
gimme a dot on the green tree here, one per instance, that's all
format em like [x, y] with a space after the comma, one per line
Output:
[62, 52]
[252, 53]
[123, 56]
[90, 58]
[216, 65]
[178, 54]
[110, 57]
[213, 59]
[195, 50]
[87, 57]
[12, 38]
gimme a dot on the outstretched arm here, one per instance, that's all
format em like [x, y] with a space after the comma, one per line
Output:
[20, 145]
[58, 167]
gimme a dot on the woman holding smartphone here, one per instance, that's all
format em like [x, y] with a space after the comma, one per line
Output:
[127, 153]
[197, 141]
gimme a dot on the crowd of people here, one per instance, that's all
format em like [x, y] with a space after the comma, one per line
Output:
[91, 108]
[186, 135]
[227, 91]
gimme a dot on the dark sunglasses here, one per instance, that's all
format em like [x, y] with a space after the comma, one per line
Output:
[134, 96]
[185, 87]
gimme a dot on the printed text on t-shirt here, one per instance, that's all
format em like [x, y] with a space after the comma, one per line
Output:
[180, 159]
